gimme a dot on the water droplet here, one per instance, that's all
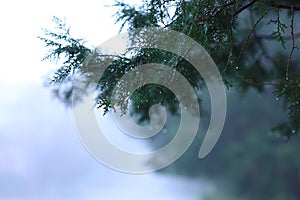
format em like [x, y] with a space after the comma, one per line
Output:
[236, 67]
[165, 130]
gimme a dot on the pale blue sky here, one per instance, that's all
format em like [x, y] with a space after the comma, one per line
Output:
[21, 23]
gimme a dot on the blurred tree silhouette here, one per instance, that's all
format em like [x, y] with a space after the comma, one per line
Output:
[254, 44]
[246, 163]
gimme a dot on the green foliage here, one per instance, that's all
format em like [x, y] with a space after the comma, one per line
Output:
[62, 44]
[71, 52]
[280, 29]
[237, 34]
[290, 92]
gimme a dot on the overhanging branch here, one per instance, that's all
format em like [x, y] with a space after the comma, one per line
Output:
[288, 7]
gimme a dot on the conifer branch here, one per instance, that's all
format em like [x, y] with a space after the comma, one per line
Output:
[293, 43]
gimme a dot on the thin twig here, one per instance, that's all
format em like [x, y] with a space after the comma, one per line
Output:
[244, 7]
[293, 43]
[288, 7]
[169, 24]
[259, 42]
[251, 32]
[250, 81]
[271, 37]
[231, 41]
[180, 59]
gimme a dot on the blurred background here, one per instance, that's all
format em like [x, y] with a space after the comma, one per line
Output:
[41, 156]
